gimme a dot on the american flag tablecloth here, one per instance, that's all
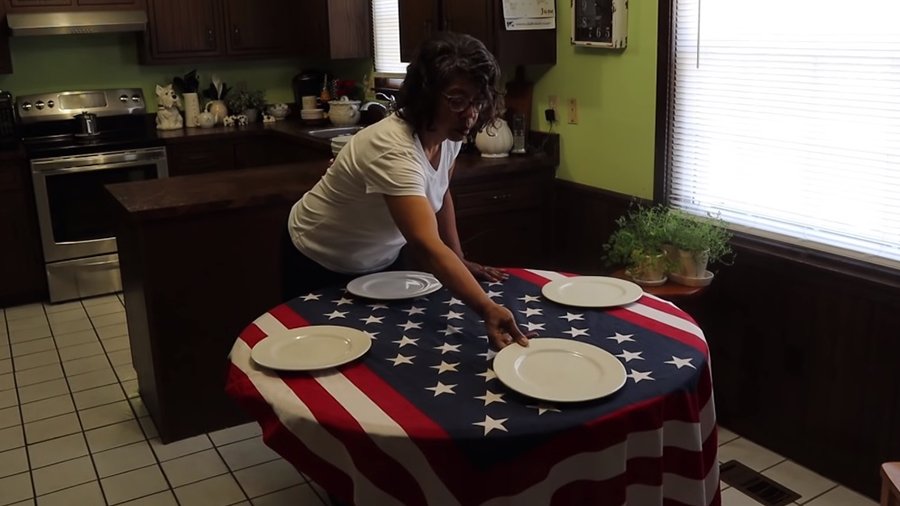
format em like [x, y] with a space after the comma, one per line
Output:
[422, 418]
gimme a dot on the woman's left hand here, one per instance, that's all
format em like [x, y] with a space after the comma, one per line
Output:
[484, 272]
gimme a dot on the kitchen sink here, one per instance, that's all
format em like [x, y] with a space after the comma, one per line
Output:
[328, 133]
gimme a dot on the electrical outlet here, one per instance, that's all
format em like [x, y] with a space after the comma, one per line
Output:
[573, 111]
[553, 102]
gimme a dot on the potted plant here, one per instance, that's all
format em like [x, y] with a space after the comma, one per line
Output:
[638, 244]
[697, 241]
[246, 102]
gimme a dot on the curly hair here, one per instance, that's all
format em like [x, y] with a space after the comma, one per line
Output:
[438, 61]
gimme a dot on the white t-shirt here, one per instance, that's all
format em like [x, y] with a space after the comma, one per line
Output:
[343, 222]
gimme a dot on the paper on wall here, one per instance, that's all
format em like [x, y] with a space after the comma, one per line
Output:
[529, 14]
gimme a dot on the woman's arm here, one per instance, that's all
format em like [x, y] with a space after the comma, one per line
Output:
[419, 225]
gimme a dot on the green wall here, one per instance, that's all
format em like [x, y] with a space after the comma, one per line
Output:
[611, 147]
[67, 62]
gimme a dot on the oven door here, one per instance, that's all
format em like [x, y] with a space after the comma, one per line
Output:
[75, 213]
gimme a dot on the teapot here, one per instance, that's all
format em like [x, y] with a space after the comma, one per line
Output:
[494, 141]
[207, 119]
[344, 112]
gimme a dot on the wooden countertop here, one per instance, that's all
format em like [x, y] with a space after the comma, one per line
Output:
[232, 189]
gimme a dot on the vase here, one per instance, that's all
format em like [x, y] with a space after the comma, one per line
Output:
[218, 109]
[252, 115]
[693, 263]
[191, 109]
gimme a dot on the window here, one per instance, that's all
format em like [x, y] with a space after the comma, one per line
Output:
[784, 119]
[386, 29]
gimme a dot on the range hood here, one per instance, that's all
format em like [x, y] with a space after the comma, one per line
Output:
[76, 22]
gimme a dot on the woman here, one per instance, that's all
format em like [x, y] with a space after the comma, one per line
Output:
[388, 187]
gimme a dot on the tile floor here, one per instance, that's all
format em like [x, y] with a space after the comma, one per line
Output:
[73, 430]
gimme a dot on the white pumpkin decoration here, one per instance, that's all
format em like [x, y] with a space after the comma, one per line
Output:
[495, 141]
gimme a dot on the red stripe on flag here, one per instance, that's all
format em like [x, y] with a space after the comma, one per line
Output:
[252, 335]
[659, 327]
[288, 317]
[382, 470]
[665, 307]
[283, 441]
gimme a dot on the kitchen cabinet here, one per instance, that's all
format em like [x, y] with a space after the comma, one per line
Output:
[191, 30]
[333, 29]
[241, 152]
[5, 53]
[21, 257]
[482, 19]
[71, 5]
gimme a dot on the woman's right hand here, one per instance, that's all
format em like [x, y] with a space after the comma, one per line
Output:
[502, 328]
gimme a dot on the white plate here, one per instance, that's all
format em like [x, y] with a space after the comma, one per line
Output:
[560, 370]
[311, 348]
[592, 291]
[394, 285]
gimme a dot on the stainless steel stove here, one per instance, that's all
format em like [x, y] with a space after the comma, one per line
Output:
[70, 166]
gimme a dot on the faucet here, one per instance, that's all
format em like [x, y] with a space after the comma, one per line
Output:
[378, 108]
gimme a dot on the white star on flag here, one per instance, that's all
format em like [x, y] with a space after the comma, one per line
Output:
[454, 300]
[410, 325]
[576, 332]
[401, 359]
[483, 337]
[373, 334]
[629, 356]
[490, 397]
[450, 330]
[378, 306]
[494, 283]
[405, 340]
[492, 293]
[490, 424]
[638, 376]
[372, 319]
[488, 375]
[445, 367]
[545, 408]
[342, 301]
[336, 314]
[621, 338]
[448, 347]
[572, 316]
[311, 296]
[453, 315]
[441, 388]
[414, 310]
[531, 311]
[489, 354]
[534, 326]
[681, 362]
[529, 298]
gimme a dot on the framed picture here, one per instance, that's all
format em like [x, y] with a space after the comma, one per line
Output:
[600, 23]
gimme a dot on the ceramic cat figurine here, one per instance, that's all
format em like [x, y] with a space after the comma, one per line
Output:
[167, 116]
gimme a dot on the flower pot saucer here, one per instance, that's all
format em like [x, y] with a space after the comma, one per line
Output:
[647, 282]
[704, 280]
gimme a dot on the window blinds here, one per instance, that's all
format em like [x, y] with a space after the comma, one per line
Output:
[785, 121]
[386, 30]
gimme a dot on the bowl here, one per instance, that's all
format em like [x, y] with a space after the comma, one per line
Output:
[704, 280]
[312, 114]
[279, 111]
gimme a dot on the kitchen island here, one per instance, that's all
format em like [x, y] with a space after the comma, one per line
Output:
[200, 258]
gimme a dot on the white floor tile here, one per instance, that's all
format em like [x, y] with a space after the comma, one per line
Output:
[85, 365]
[112, 436]
[43, 390]
[137, 404]
[8, 398]
[9, 417]
[117, 343]
[124, 459]
[12, 462]
[732, 497]
[149, 427]
[269, 477]
[194, 467]
[110, 331]
[25, 335]
[87, 494]
[72, 326]
[166, 498]
[63, 475]
[98, 396]
[50, 428]
[121, 357]
[125, 372]
[102, 309]
[6, 366]
[107, 414]
[38, 375]
[27, 311]
[76, 338]
[180, 448]
[7, 381]
[4, 348]
[131, 387]
[109, 319]
[99, 301]
[247, 453]
[236, 433]
[748, 453]
[39, 359]
[28, 347]
[66, 316]
[62, 306]
[300, 495]
[799, 479]
[29, 322]
[15, 488]
[134, 484]
[47, 408]
[841, 496]
[57, 450]
[12, 437]
[218, 491]
[83, 350]
[92, 379]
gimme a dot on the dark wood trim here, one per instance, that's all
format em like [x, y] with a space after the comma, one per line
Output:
[663, 94]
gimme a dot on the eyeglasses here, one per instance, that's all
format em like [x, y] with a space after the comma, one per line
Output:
[459, 103]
